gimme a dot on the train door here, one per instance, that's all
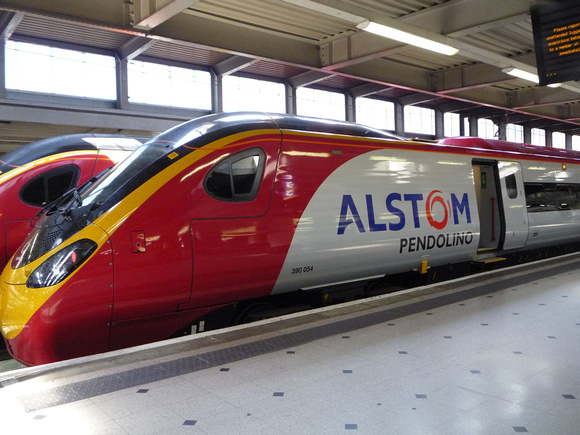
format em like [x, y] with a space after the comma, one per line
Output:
[501, 204]
[232, 243]
[514, 205]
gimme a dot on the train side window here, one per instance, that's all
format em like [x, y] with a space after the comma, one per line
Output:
[34, 192]
[511, 186]
[238, 177]
[552, 197]
[59, 184]
[50, 185]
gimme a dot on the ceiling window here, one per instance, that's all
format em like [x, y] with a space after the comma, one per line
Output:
[538, 137]
[165, 85]
[375, 113]
[41, 68]
[576, 142]
[559, 140]
[320, 103]
[451, 124]
[419, 120]
[240, 93]
[515, 133]
[486, 129]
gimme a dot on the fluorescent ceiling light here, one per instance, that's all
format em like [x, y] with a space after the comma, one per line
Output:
[521, 74]
[407, 38]
[527, 76]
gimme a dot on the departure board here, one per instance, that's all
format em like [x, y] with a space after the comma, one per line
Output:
[556, 27]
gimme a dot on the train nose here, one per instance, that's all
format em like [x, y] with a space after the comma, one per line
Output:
[11, 319]
[45, 316]
[14, 276]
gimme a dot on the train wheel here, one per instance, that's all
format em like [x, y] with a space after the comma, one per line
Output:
[254, 312]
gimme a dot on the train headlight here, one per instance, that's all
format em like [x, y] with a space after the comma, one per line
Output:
[62, 264]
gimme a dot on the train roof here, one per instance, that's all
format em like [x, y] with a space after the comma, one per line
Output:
[510, 147]
[67, 143]
[293, 122]
[225, 124]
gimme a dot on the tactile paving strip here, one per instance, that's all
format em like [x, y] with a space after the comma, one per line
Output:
[144, 375]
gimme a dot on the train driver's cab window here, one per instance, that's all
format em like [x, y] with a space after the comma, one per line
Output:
[237, 178]
[511, 186]
[50, 185]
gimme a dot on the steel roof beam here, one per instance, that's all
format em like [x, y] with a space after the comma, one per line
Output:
[417, 98]
[307, 78]
[366, 90]
[232, 65]
[9, 21]
[146, 17]
[134, 47]
[540, 96]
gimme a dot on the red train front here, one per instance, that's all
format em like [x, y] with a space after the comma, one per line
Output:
[38, 173]
[163, 239]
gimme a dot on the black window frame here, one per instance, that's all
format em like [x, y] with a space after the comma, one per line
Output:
[45, 177]
[511, 186]
[250, 194]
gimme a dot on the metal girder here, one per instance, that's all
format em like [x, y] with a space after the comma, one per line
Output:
[391, 74]
[417, 98]
[98, 117]
[518, 118]
[366, 90]
[134, 47]
[467, 77]
[149, 14]
[455, 106]
[8, 23]
[570, 111]
[489, 25]
[356, 48]
[540, 123]
[224, 37]
[540, 96]
[307, 78]
[232, 64]
[467, 14]
[109, 13]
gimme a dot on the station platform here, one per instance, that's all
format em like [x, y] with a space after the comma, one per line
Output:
[495, 353]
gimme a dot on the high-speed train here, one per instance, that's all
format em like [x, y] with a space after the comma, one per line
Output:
[38, 173]
[225, 214]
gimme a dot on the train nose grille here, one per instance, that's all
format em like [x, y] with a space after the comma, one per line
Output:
[49, 239]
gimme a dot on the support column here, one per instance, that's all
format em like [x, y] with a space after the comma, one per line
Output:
[217, 101]
[527, 134]
[501, 128]
[399, 119]
[122, 78]
[473, 126]
[350, 107]
[290, 98]
[568, 137]
[439, 124]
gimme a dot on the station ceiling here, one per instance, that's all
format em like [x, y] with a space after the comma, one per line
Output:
[317, 43]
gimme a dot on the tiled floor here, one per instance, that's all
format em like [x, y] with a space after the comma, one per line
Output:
[500, 362]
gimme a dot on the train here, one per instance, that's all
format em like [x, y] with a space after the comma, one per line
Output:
[33, 176]
[224, 217]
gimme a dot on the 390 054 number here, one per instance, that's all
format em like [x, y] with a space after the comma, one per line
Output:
[303, 269]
